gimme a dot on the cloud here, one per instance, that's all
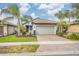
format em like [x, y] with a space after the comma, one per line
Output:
[50, 12]
[33, 15]
[53, 18]
[51, 8]
[43, 6]
[36, 4]
[24, 8]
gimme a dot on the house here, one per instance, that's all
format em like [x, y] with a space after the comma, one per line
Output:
[7, 29]
[73, 28]
[42, 26]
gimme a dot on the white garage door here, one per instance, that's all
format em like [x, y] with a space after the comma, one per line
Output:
[45, 29]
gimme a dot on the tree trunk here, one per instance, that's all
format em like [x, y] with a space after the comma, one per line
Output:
[69, 19]
[19, 33]
[61, 26]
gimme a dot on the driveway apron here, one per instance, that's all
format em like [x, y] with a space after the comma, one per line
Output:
[56, 49]
[50, 38]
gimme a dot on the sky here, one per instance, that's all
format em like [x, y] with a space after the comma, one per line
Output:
[38, 10]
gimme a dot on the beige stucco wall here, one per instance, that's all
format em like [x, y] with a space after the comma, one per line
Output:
[5, 29]
[8, 30]
[73, 28]
[11, 29]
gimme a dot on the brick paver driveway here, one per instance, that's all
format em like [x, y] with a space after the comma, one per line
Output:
[50, 38]
[57, 48]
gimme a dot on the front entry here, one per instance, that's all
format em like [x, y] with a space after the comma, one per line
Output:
[28, 28]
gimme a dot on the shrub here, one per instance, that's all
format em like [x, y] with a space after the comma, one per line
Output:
[22, 30]
[72, 36]
[60, 33]
[29, 34]
[62, 26]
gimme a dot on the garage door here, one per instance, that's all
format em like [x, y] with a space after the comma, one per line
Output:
[1, 30]
[45, 29]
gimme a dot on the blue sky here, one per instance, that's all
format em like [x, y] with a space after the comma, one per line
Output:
[39, 10]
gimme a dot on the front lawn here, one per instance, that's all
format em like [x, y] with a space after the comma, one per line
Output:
[13, 38]
[18, 48]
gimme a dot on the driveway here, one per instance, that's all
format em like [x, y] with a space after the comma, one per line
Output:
[58, 49]
[58, 45]
[50, 38]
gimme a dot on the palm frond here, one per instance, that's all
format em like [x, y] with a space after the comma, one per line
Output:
[11, 9]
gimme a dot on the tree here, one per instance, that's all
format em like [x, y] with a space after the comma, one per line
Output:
[68, 14]
[26, 19]
[60, 15]
[75, 8]
[62, 28]
[14, 10]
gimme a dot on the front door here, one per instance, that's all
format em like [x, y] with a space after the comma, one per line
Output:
[27, 28]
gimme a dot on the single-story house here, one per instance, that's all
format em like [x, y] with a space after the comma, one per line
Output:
[7, 29]
[42, 26]
[73, 28]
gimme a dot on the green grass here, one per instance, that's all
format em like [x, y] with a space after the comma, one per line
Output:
[13, 38]
[18, 48]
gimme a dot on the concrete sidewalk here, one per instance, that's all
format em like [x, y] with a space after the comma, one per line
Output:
[60, 53]
[40, 43]
[55, 48]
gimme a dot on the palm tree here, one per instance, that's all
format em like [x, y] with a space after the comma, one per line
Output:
[60, 15]
[26, 19]
[68, 14]
[14, 10]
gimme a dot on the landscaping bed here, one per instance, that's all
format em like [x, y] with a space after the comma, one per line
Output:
[18, 48]
[72, 36]
[14, 38]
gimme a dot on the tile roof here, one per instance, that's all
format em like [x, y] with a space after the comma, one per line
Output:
[43, 21]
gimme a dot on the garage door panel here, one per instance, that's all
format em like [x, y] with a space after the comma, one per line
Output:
[45, 29]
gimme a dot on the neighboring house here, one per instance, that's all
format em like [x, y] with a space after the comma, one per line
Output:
[7, 29]
[42, 26]
[73, 28]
